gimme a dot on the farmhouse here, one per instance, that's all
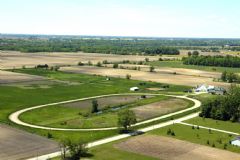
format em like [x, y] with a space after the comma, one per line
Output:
[236, 142]
[134, 89]
[211, 89]
[217, 91]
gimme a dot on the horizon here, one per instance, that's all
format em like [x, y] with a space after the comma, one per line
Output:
[145, 37]
[152, 18]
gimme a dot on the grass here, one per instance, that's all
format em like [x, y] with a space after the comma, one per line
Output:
[15, 98]
[199, 136]
[223, 125]
[179, 64]
[108, 151]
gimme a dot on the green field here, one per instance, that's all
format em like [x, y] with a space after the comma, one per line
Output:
[68, 117]
[13, 98]
[223, 125]
[179, 64]
[199, 136]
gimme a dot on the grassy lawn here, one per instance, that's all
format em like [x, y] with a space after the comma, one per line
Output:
[179, 64]
[224, 125]
[15, 98]
[199, 136]
[108, 151]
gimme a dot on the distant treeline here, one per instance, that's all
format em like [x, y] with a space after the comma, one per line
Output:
[114, 45]
[87, 45]
[218, 61]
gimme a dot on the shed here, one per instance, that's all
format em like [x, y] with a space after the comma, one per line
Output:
[134, 89]
[236, 141]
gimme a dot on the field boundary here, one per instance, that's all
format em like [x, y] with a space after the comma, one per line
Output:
[14, 117]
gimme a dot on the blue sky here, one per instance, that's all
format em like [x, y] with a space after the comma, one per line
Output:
[156, 18]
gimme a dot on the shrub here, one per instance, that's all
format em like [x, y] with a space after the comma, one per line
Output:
[49, 135]
[128, 76]
[80, 64]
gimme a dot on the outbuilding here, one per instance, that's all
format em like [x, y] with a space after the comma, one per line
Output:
[134, 89]
[236, 142]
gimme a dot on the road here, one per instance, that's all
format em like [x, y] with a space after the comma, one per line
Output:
[14, 117]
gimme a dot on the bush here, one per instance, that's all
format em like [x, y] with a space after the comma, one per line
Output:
[115, 65]
[128, 76]
[99, 64]
[208, 142]
[49, 135]
[80, 64]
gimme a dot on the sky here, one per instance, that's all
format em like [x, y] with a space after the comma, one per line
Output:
[146, 18]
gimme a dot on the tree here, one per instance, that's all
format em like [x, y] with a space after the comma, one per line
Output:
[224, 76]
[195, 53]
[94, 106]
[63, 147]
[76, 150]
[126, 118]
[151, 69]
[128, 76]
[147, 59]
[115, 65]
[80, 64]
[99, 64]
[223, 107]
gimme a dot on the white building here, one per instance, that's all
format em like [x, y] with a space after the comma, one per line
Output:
[201, 88]
[134, 89]
[236, 142]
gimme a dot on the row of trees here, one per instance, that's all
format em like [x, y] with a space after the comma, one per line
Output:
[230, 77]
[88, 45]
[223, 107]
[221, 61]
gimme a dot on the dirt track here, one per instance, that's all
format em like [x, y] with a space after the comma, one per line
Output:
[16, 144]
[166, 148]
[146, 76]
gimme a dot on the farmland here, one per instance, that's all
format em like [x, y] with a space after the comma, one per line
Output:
[77, 76]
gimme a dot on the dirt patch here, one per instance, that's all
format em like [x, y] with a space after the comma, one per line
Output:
[177, 79]
[159, 108]
[17, 144]
[166, 148]
[105, 101]
[11, 77]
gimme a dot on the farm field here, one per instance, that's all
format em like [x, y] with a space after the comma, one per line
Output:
[11, 77]
[17, 144]
[199, 136]
[169, 78]
[179, 64]
[60, 89]
[169, 70]
[11, 59]
[166, 148]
